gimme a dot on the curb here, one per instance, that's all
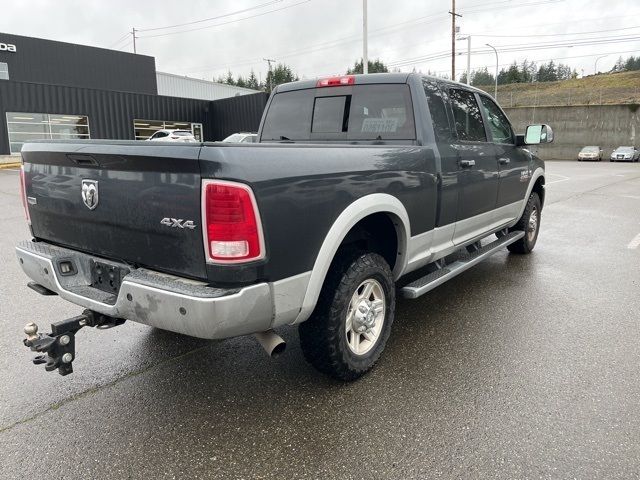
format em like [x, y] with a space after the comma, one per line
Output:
[10, 165]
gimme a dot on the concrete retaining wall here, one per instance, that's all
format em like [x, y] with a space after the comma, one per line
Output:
[608, 126]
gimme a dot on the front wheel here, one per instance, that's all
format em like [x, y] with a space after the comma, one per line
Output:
[530, 224]
[349, 328]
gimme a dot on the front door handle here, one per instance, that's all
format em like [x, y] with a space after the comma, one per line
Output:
[467, 163]
[504, 161]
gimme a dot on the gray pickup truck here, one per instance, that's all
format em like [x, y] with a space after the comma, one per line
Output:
[359, 188]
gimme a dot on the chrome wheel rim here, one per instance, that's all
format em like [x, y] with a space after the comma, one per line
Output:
[532, 227]
[365, 317]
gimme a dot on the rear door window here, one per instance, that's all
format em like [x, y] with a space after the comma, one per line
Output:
[467, 116]
[438, 110]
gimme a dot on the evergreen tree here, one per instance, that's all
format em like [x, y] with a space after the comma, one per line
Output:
[229, 79]
[240, 82]
[281, 74]
[482, 77]
[619, 66]
[252, 81]
[376, 66]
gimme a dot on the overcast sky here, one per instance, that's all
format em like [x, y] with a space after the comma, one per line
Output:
[320, 37]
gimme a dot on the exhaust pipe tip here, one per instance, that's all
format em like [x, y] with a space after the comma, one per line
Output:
[271, 342]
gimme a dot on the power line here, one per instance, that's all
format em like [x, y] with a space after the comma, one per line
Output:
[523, 47]
[552, 34]
[122, 38]
[226, 23]
[237, 12]
[546, 60]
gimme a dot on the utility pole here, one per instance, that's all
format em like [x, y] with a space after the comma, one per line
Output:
[453, 38]
[365, 53]
[495, 94]
[133, 33]
[269, 75]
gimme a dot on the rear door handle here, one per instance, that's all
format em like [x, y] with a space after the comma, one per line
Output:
[504, 161]
[467, 163]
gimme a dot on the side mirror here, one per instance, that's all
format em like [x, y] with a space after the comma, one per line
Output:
[537, 134]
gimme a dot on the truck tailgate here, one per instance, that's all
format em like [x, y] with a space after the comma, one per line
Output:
[138, 198]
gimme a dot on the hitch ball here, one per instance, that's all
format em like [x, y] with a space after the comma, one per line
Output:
[31, 331]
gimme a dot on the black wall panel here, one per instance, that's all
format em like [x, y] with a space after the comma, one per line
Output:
[111, 113]
[237, 114]
[58, 63]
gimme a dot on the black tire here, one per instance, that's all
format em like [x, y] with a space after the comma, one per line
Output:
[528, 242]
[324, 338]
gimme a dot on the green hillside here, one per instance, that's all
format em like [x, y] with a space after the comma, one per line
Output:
[610, 88]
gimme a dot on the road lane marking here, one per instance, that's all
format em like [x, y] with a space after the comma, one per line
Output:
[635, 243]
[563, 179]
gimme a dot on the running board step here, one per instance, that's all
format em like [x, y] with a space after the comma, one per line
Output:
[432, 280]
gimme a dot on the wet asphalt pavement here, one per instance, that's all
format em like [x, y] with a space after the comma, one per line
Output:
[522, 367]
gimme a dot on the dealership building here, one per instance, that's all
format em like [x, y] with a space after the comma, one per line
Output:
[56, 90]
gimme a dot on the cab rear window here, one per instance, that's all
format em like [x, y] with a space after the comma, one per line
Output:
[360, 112]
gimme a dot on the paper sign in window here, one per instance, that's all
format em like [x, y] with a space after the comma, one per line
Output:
[379, 125]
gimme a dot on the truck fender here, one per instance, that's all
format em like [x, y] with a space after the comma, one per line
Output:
[539, 172]
[361, 208]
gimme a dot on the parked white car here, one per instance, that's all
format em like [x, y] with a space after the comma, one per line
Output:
[172, 136]
[241, 138]
[627, 154]
[590, 153]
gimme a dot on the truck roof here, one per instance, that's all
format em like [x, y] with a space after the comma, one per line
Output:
[371, 78]
[360, 79]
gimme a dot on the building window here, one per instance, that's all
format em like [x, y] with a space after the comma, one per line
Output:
[4, 71]
[143, 129]
[23, 127]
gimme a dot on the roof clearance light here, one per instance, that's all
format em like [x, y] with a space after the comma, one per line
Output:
[336, 81]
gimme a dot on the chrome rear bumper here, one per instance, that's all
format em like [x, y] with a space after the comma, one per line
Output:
[160, 300]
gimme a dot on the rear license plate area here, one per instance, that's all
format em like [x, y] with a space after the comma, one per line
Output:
[107, 277]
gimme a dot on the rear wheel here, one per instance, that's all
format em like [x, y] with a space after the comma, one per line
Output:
[530, 224]
[351, 323]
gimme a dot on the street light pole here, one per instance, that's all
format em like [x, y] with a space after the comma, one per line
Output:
[495, 94]
[469, 60]
[595, 70]
[365, 53]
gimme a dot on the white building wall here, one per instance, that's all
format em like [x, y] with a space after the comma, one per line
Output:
[186, 87]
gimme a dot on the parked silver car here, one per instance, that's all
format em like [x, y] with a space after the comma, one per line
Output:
[625, 154]
[590, 153]
[242, 137]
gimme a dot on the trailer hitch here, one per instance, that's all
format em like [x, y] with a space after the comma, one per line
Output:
[59, 345]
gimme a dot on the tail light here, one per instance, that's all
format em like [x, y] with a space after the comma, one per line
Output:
[23, 194]
[336, 81]
[231, 223]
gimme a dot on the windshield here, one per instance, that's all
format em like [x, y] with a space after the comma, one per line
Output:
[361, 112]
[624, 149]
[591, 149]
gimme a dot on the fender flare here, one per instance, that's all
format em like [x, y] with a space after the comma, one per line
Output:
[350, 216]
[539, 172]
